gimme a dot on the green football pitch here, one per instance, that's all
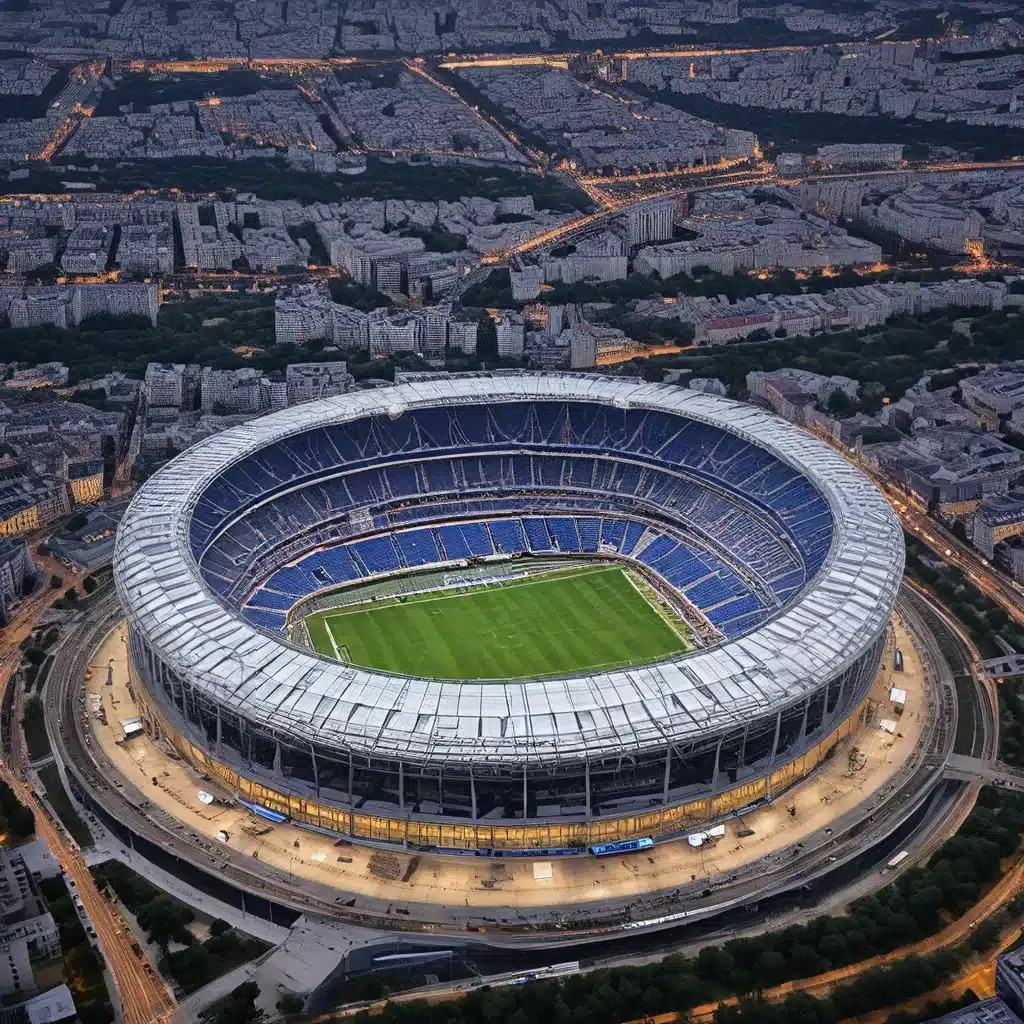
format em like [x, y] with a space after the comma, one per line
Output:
[580, 620]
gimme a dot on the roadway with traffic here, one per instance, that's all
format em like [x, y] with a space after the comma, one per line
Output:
[144, 999]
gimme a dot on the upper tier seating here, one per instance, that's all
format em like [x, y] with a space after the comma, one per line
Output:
[545, 477]
[705, 581]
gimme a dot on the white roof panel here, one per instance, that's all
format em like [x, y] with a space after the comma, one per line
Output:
[840, 614]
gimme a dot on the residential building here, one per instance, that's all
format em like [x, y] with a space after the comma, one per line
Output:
[511, 333]
[18, 574]
[707, 386]
[527, 280]
[951, 470]
[995, 394]
[462, 336]
[996, 519]
[652, 221]
[1010, 980]
[307, 382]
[230, 391]
[28, 933]
[85, 477]
[165, 384]
[985, 1011]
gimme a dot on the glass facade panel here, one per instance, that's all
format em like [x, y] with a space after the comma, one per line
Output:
[757, 750]
[297, 764]
[423, 805]
[490, 835]
[815, 713]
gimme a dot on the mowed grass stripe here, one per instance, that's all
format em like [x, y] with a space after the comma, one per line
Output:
[564, 624]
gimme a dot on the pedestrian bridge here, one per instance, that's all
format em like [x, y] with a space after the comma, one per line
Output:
[1006, 666]
[977, 769]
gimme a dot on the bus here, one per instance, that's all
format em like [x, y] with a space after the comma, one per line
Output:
[264, 812]
[898, 859]
[539, 974]
[627, 846]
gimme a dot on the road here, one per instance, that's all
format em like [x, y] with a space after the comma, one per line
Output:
[979, 978]
[949, 548]
[144, 999]
[983, 770]
[821, 985]
[818, 986]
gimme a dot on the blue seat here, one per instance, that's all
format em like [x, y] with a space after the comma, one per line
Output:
[376, 555]
[562, 466]
[507, 535]
[589, 531]
[563, 532]
[264, 619]
[537, 535]
[417, 547]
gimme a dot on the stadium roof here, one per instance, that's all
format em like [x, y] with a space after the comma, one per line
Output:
[835, 620]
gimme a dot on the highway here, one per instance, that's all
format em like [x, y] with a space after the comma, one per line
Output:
[978, 769]
[143, 998]
[949, 548]
[819, 986]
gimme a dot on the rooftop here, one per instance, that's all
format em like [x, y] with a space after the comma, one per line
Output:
[819, 635]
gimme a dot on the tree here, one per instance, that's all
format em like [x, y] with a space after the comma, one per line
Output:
[219, 927]
[290, 1004]
[240, 1007]
[56, 582]
[839, 404]
[165, 919]
[89, 584]
[71, 594]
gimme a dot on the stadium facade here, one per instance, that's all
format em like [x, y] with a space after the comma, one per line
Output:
[788, 557]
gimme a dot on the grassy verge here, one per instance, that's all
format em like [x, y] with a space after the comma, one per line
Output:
[17, 822]
[166, 921]
[966, 723]
[33, 723]
[59, 800]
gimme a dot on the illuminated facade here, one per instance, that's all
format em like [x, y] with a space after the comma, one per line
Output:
[801, 546]
[19, 520]
[725, 759]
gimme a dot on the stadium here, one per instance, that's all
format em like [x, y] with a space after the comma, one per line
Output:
[509, 612]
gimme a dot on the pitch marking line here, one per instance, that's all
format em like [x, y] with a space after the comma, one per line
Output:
[361, 609]
[660, 612]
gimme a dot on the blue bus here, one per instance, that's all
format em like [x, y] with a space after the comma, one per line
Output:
[627, 846]
[264, 812]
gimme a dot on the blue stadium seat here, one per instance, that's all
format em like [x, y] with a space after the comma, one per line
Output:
[264, 619]
[376, 555]
[563, 533]
[417, 547]
[559, 465]
[589, 531]
[537, 535]
[270, 599]
[507, 535]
